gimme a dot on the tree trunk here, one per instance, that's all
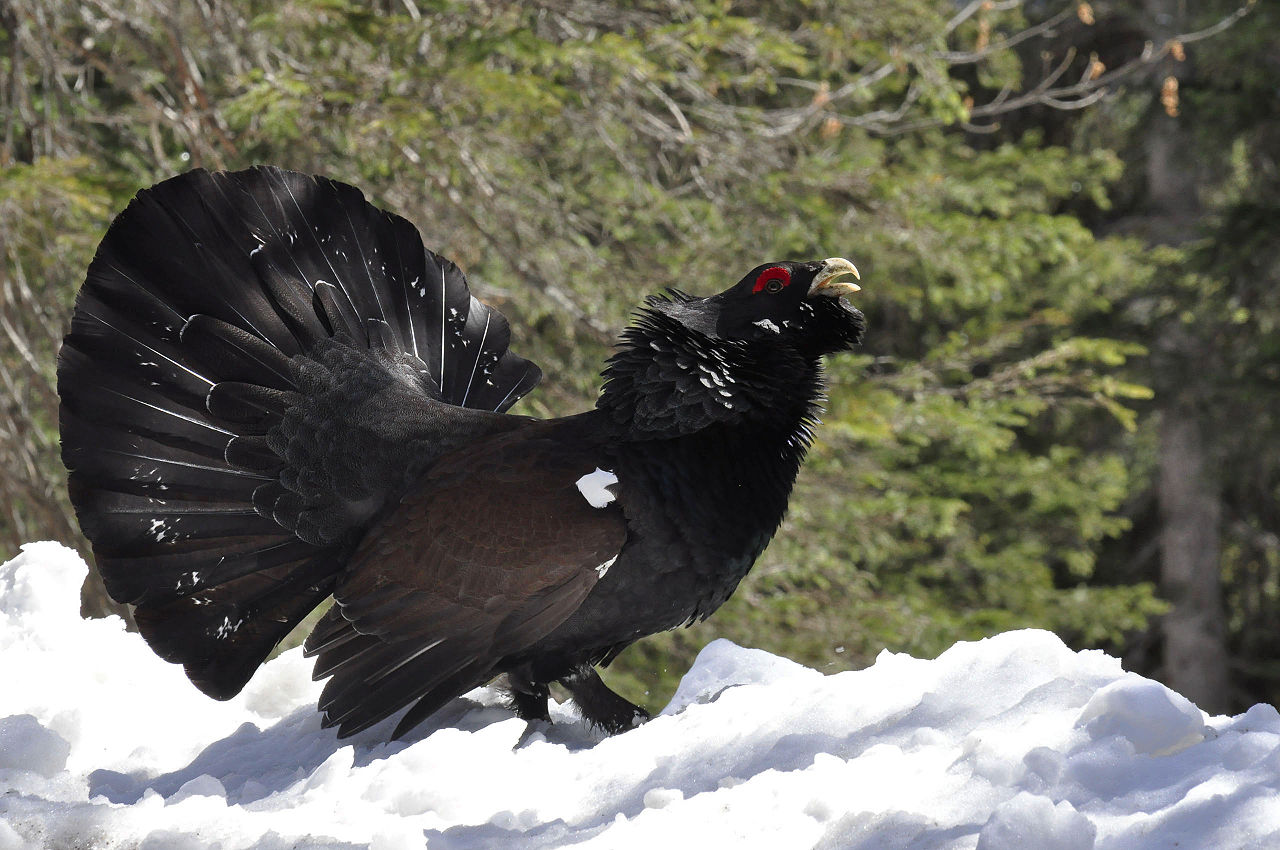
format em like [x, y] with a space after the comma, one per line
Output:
[1194, 632]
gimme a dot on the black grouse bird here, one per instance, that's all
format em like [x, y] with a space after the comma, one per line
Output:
[271, 393]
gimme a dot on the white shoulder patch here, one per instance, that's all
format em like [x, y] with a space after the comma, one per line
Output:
[594, 487]
[604, 568]
[765, 324]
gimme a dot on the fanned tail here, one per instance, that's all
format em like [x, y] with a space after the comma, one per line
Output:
[234, 334]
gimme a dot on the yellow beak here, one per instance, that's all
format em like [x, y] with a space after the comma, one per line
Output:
[827, 282]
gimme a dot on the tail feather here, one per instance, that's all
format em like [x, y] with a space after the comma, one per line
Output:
[223, 640]
[191, 568]
[104, 412]
[388, 677]
[131, 356]
[183, 242]
[236, 401]
[227, 326]
[150, 472]
[226, 350]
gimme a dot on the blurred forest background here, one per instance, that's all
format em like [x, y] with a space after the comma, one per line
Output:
[1065, 414]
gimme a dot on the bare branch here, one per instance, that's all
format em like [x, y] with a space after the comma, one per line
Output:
[1010, 42]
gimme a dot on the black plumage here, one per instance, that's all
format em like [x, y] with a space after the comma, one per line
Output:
[272, 393]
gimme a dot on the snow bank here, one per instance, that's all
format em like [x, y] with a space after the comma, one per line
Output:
[1011, 743]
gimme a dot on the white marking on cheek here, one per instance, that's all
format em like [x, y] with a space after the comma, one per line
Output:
[594, 487]
[604, 568]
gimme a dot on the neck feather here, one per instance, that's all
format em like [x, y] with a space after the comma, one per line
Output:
[667, 380]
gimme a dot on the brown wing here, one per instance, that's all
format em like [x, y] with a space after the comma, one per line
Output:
[490, 552]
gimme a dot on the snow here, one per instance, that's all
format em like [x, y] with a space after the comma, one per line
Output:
[1010, 743]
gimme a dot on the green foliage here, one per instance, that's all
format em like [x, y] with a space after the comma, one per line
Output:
[52, 212]
[1209, 310]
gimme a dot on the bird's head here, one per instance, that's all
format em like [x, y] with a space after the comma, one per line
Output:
[751, 352]
[801, 304]
[797, 305]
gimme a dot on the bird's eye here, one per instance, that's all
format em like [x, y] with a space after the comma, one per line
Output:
[772, 279]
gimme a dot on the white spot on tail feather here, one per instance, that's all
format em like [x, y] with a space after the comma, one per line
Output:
[604, 568]
[594, 487]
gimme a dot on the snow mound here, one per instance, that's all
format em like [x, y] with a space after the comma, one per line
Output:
[1010, 743]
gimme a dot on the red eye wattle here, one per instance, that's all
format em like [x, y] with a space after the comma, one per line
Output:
[777, 273]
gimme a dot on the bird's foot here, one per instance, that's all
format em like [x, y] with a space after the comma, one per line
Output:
[528, 699]
[600, 706]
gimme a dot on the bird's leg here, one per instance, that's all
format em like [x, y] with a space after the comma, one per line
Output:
[527, 698]
[601, 706]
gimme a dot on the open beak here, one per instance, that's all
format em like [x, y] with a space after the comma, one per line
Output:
[827, 280]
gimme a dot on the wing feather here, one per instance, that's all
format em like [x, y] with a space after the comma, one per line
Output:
[491, 553]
